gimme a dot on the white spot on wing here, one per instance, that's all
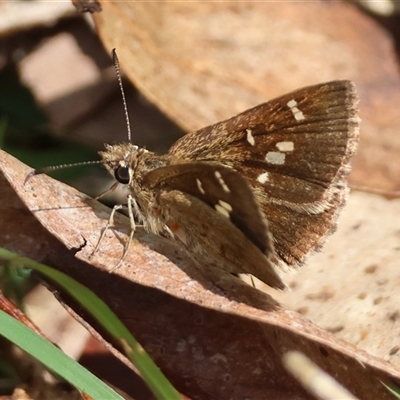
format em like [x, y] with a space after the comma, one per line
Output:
[250, 137]
[224, 186]
[285, 146]
[223, 208]
[298, 115]
[226, 205]
[200, 186]
[262, 178]
[275, 157]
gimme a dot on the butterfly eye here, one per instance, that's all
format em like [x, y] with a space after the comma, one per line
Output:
[122, 174]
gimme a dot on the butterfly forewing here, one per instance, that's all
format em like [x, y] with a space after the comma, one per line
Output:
[302, 136]
[294, 152]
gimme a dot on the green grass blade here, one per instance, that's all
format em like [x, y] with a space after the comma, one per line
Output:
[149, 371]
[54, 359]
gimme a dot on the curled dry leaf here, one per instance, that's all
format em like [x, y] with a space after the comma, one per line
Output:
[218, 338]
[206, 61]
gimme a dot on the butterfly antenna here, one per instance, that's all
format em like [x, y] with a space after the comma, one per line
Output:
[55, 167]
[118, 71]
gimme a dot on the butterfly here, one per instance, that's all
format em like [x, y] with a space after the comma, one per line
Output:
[253, 194]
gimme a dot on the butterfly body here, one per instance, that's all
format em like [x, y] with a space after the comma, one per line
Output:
[255, 193]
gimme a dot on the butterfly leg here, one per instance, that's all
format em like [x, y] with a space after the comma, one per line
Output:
[132, 208]
[109, 224]
[132, 205]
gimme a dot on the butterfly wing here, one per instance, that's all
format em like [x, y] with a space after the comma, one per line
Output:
[294, 152]
[222, 189]
[212, 209]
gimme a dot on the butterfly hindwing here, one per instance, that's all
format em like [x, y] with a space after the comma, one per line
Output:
[223, 190]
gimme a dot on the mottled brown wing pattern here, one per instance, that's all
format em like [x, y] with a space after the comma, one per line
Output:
[223, 189]
[214, 212]
[294, 152]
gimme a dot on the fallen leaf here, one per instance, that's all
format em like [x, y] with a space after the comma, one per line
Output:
[213, 336]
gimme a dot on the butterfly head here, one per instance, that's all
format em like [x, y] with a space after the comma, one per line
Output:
[121, 160]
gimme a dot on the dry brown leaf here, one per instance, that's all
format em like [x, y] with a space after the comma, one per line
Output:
[213, 338]
[205, 61]
[351, 288]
